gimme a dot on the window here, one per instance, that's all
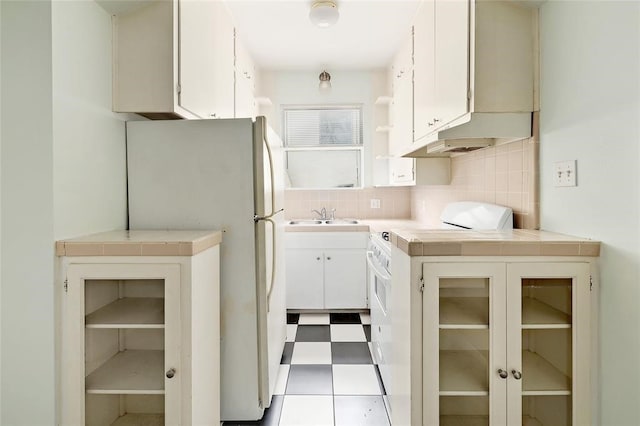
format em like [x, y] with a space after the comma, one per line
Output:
[323, 146]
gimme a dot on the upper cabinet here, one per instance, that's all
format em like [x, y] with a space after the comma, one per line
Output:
[407, 171]
[245, 82]
[401, 117]
[473, 75]
[174, 59]
[441, 54]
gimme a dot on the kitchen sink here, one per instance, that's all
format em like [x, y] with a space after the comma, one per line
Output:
[324, 222]
[306, 222]
[342, 222]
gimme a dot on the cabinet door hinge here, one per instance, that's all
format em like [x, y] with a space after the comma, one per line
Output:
[590, 283]
[66, 285]
[469, 94]
[421, 288]
[178, 88]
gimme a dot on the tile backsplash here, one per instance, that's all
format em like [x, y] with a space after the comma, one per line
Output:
[504, 174]
[395, 203]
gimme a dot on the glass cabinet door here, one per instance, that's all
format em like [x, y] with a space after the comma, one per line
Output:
[543, 375]
[122, 332]
[462, 305]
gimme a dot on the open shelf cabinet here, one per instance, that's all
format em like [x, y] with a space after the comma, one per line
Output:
[131, 333]
[128, 337]
[512, 343]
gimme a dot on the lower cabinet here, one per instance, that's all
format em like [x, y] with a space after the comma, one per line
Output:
[503, 343]
[130, 326]
[513, 344]
[326, 270]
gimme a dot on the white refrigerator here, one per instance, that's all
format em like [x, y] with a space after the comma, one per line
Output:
[226, 175]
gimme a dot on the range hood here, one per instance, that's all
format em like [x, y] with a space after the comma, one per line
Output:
[470, 132]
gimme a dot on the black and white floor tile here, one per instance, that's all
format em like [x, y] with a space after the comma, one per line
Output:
[327, 375]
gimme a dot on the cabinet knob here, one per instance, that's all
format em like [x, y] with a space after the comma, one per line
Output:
[328, 257]
[170, 373]
[516, 374]
[318, 258]
[430, 124]
[213, 115]
[503, 373]
[435, 120]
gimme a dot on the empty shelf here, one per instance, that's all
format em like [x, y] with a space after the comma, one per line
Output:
[140, 420]
[129, 312]
[480, 421]
[539, 377]
[530, 421]
[464, 312]
[536, 314]
[464, 420]
[129, 372]
[464, 373]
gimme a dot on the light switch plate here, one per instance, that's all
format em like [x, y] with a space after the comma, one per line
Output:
[375, 203]
[564, 173]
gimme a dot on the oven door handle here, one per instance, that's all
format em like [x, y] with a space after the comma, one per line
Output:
[372, 265]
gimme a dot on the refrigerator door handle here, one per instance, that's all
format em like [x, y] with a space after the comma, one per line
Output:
[268, 217]
[273, 264]
[257, 218]
[265, 140]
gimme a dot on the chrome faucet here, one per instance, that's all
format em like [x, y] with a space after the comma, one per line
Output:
[322, 213]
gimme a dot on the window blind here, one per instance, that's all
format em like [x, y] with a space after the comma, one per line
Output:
[322, 126]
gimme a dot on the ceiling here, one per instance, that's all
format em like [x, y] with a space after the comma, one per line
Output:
[279, 35]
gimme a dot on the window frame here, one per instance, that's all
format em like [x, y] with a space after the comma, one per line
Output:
[359, 147]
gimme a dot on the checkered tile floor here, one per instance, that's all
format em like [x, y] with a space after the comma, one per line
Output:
[327, 375]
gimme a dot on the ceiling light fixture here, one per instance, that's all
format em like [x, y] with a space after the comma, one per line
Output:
[325, 80]
[324, 13]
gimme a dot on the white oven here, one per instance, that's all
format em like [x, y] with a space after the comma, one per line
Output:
[379, 275]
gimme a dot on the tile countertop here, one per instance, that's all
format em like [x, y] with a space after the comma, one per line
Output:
[364, 225]
[139, 243]
[519, 242]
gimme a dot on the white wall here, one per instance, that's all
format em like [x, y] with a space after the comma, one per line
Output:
[27, 334]
[63, 175]
[348, 87]
[590, 94]
[89, 176]
[0, 213]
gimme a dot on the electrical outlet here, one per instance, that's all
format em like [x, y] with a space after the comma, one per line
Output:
[375, 203]
[564, 173]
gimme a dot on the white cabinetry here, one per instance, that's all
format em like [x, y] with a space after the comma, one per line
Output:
[408, 171]
[513, 343]
[305, 278]
[326, 270]
[401, 117]
[174, 59]
[419, 171]
[471, 57]
[130, 326]
[245, 83]
[411, 171]
[401, 170]
[441, 54]
[503, 341]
